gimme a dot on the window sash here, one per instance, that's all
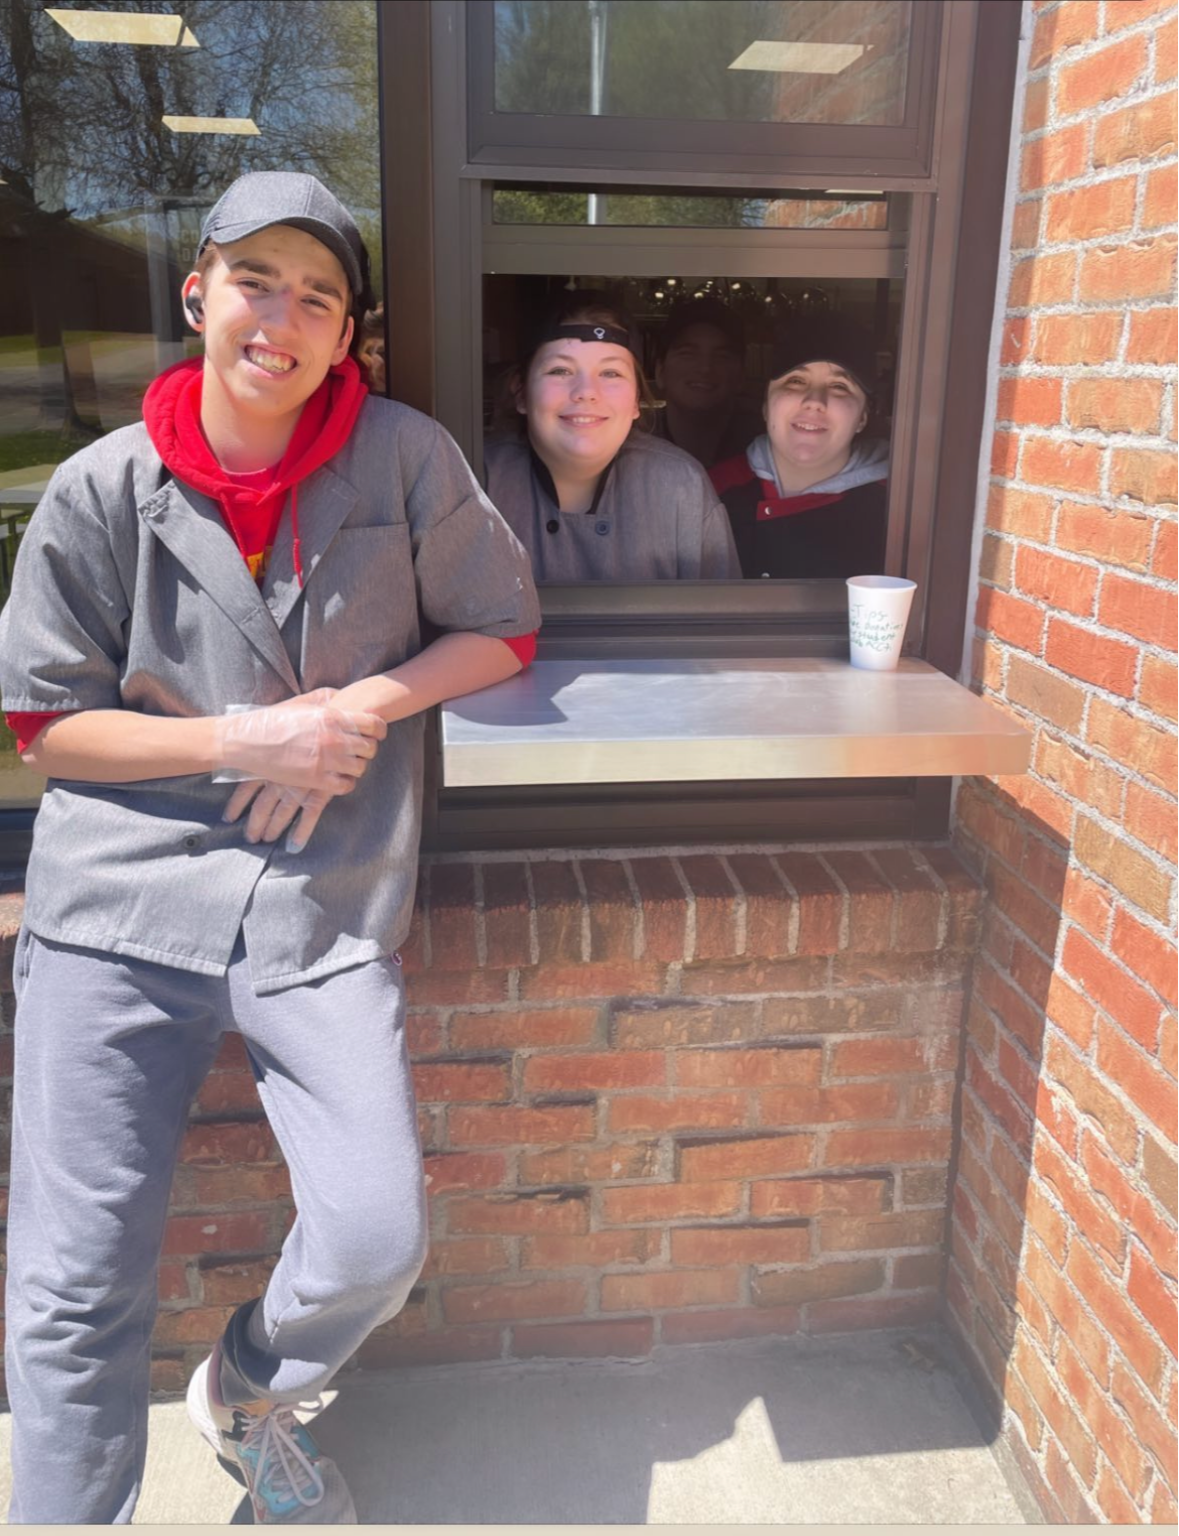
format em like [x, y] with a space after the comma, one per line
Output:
[773, 150]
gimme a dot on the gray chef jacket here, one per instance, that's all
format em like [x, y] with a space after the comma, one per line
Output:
[129, 593]
[655, 516]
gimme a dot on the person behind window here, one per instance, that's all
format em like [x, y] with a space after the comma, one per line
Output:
[809, 496]
[590, 497]
[699, 373]
[370, 354]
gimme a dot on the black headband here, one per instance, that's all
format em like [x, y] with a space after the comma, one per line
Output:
[581, 332]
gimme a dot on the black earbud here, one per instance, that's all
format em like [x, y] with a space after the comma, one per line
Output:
[194, 306]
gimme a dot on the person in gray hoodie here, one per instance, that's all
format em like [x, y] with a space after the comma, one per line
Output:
[809, 497]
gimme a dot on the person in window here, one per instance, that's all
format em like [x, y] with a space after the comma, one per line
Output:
[590, 495]
[230, 590]
[370, 354]
[699, 375]
[809, 496]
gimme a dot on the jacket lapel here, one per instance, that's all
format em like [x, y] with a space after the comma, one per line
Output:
[192, 528]
[324, 501]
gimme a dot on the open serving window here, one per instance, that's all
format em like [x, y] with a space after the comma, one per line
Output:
[790, 160]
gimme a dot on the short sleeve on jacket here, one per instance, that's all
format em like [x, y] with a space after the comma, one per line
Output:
[62, 631]
[472, 573]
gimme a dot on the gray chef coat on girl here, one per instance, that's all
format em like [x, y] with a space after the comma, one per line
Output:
[655, 516]
[129, 593]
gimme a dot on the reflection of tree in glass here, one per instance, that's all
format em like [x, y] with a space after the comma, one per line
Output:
[672, 59]
[91, 114]
[520, 205]
[82, 134]
[664, 58]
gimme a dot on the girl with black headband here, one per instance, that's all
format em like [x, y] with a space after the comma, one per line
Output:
[588, 496]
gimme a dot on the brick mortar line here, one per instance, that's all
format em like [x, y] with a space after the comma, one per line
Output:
[668, 851]
[1108, 1397]
[689, 914]
[587, 938]
[1129, 774]
[533, 916]
[478, 915]
[794, 907]
[1089, 562]
[424, 912]
[943, 914]
[740, 908]
[639, 934]
[1145, 1127]
[1094, 437]
[1147, 650]
[1065, 434]
[1077, 306]
[1089, 625]
[1138, 229]
[1056, 959]
[1112, 371]
[1087, 117]
[845, 904]
[1116, 701]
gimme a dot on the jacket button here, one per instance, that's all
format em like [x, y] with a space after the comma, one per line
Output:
[192, 841]
[553, 526]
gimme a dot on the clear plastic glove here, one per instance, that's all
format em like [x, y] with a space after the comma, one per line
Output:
[297, 746]
[274, 809]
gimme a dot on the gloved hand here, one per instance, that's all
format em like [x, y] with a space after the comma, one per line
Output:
[300, 746]
[274, 809]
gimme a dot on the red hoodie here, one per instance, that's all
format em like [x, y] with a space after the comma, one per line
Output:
[251, 504]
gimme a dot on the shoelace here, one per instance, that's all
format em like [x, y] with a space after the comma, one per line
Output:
[281, 1459]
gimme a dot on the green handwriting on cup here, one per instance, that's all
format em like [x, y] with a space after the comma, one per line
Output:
[874, 630]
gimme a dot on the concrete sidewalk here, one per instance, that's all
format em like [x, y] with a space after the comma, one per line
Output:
[860, 1429]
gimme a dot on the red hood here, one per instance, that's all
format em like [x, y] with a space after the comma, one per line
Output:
[172, 414]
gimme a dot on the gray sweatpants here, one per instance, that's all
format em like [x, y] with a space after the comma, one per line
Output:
[109, 1054]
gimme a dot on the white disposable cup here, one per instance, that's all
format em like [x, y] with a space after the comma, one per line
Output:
[877, 612]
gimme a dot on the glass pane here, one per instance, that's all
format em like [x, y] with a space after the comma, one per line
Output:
[796, 210]
[705, 347]
[120, 125]
[751, 61]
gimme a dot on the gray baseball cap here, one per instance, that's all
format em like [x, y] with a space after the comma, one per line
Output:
[262, 198]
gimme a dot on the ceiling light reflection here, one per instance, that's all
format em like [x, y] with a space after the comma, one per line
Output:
[799, 58]
[137, 27]
[211, 124]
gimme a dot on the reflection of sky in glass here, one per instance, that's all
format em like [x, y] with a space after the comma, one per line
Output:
[84, 128]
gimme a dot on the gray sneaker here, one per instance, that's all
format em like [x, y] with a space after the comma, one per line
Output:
[289, 1479]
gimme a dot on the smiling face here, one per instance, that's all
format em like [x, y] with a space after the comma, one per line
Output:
[581, 399]
[275, 317]
[812, 415]
[702, 369]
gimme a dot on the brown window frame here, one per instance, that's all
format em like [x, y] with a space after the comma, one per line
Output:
[433, 231]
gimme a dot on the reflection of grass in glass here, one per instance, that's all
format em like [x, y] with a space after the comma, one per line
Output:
[24, 448]
[19, 786]
[10, 344]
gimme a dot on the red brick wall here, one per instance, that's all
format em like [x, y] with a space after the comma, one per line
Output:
[1063, 1273]
[662, 1099]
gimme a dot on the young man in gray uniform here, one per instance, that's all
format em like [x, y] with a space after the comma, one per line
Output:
[230, 590]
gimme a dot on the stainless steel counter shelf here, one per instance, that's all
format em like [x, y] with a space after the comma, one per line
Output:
[627, 721]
